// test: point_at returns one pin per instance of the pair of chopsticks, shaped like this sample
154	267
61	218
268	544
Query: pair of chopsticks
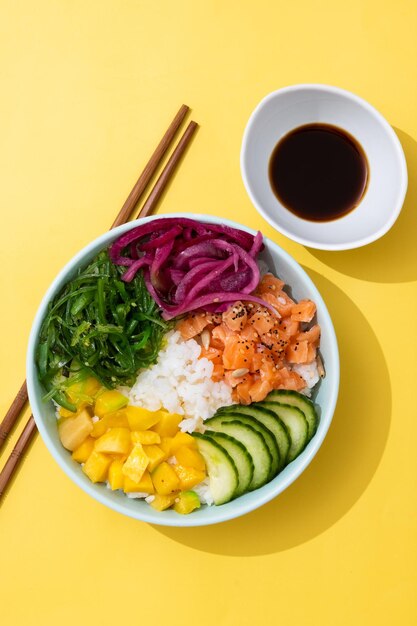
123	216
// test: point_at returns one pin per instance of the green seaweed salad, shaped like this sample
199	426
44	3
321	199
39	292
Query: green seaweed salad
101	326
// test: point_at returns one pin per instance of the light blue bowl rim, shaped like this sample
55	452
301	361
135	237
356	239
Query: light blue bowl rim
237	507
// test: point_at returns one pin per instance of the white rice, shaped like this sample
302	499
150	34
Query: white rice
181	383
203	492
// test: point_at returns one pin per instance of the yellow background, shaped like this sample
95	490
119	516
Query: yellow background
86	91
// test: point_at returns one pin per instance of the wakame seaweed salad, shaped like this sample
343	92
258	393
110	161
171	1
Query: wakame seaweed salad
101	326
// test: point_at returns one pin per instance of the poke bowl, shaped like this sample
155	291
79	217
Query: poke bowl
208	410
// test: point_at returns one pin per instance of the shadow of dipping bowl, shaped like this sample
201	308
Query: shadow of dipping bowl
292	107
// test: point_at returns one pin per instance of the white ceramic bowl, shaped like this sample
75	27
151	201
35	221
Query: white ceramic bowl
288	108
302	287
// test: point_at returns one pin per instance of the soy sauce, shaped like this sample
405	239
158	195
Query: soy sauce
319	172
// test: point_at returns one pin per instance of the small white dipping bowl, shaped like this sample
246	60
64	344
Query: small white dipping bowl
44	412
291	107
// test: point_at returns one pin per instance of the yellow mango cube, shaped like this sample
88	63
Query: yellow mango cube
100	427
167	426
109	401
74	430
188	476
136	463
117	419
114	441
140	418
144	485
84	450
96	467
83	390
182	439
165	445
165	480
160	503
145	437
155	455
116	477
190	458
187	502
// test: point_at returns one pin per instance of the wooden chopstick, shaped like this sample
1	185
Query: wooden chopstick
16	454
13	413
150	169
122	217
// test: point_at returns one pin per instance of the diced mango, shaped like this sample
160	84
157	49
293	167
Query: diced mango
155	455
144	485
165	480
100	427
115	441
136	463
188	476
167	426
140	418
74	430
83	390
118	419
160	503
116	477
109	401
186	502
96	467
84	450
182	439
190	458
166	445
145	437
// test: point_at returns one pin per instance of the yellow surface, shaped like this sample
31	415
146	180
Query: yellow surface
87	88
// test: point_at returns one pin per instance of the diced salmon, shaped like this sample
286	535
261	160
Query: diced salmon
261	320
269	282
219	335
312	335
235	317
297	352
218	372
290	380
284	304
260	390
288	327
241	392
304	311
212	354
250	333
312	353
251	338
233	381
256	363
192	325
237	353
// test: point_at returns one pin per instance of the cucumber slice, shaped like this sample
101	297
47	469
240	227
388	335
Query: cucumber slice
303	403
254	444
264	431
221	469
240	456
270	420
296	424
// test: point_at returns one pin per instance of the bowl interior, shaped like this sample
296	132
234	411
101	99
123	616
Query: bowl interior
302	287
289	108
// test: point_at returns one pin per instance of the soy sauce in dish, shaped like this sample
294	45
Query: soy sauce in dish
319	172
